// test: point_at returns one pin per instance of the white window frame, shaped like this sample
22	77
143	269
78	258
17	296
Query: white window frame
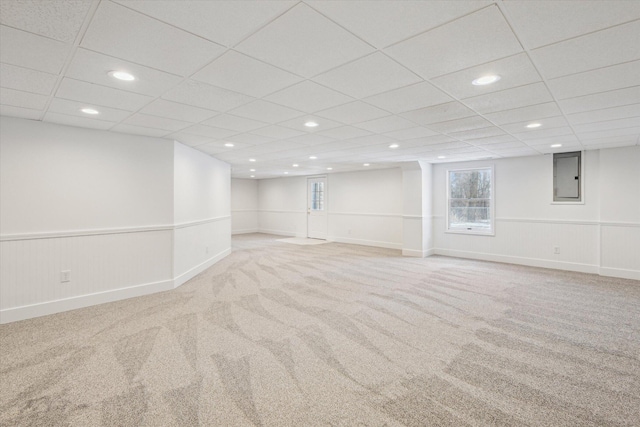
492	209
553	183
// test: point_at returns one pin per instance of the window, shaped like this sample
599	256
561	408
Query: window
567	177
470	201
317	196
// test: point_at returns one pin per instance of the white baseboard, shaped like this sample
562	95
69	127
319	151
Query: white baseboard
620	272
532	262
278	232
9	315
245	231
194	271
417	253
363	242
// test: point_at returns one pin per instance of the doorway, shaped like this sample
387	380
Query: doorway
317	208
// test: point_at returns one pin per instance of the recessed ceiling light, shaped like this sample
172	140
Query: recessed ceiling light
329	169
366	164
253	176
286	173
295	165
90	111
122	75
252	160
312	157
556	145
394	146
534	125
252	170
228	144
442	157
311	124
485	80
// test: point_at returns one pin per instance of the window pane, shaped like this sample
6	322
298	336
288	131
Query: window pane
470	200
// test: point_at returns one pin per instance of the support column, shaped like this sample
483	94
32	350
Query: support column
417	238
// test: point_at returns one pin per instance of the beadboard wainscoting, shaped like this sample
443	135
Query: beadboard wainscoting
620	250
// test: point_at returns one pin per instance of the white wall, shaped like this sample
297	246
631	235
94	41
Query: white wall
98	204
282	206
244	206
529	226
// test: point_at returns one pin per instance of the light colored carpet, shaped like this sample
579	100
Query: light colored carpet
341	335
302	241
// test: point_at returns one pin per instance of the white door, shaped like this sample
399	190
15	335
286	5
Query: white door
317	208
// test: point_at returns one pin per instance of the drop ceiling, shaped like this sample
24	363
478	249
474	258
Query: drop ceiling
371	73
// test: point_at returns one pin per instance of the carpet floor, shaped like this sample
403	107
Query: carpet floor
336	335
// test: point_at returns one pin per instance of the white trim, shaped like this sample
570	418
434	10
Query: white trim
384	215
245	231
417	253
363	242
620	272
244	210
194	271
106	231
492	207
280	233
277	211
561	221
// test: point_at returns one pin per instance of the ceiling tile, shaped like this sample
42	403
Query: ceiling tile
240	73
266	111
613	113
460	125
533	112
427	141
544	133
491	140
344	132
610	133
439	113
569	139
410	133
370	19
367	76
310	139
277	132
309	97
408	98
156	122
94	68
190	138
299	124
474	134
304	42
18	98
240	124
353	112
209	131
72	108
594	81
206	96
514	71
139	130
600	101
509	99
544	22
174	110
608	124
601	49
120	32
610	142
224	22
27	80
31	51
249	138
547	123
23	113
480	37
386	124
93	94
83	122
60	20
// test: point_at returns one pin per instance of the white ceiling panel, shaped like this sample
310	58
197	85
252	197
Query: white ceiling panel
94	94
344	132
353	112
610	133
608	124
120	32
386	124
600	101
533	112
546	123
60	20
409	98
299	124
491	140
568	139
240	73
544	133
460	125
249	138
613	113
309	97
370	19
27	80
541	23
177	111
209	131
311	139
367	76
266	111
156	122
595	81
31	51
22	113
516	70
510	99
206	96
616	141
72	108
190	138
410	133
18	98
224	22
83	122
240	124
439	113
304	42
94	68
277	132
600	49
472	134
474	39
139	130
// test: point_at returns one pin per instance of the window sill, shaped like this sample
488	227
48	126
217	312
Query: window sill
472	232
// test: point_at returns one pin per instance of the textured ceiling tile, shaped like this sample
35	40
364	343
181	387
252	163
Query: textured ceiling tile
386	124
206	96
83	122
139	130
22	113
24	79
177	111
509	99
77	90
533	112
31	51
309	97
353	112
410	133
608	125
18	98
72	108
612	113
595	81
156	122
460	125
209	131
409	98
277	132
439	113
344	132
600	101
266	111
240	124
